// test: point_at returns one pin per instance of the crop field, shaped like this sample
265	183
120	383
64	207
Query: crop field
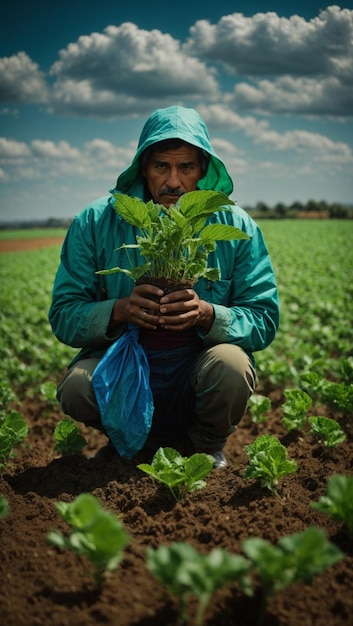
311	356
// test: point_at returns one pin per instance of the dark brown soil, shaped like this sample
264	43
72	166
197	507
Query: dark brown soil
42	585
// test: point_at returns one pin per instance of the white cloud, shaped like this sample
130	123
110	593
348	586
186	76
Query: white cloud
11	149
266	44
51	150
99	159
21	80
320	147
295	95
126	70
307	67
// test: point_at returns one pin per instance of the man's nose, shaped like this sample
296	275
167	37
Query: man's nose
173	178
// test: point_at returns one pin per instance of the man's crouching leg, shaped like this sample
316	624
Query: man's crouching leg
76	395
224	379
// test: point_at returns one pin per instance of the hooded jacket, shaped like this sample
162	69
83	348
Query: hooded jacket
245	298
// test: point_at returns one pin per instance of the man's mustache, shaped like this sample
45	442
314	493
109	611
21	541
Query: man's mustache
169	191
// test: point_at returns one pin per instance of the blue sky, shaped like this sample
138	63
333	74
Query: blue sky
273	81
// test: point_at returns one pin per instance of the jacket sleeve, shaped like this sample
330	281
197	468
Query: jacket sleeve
78	315
246	302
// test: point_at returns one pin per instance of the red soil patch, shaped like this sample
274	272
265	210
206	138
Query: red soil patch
17	245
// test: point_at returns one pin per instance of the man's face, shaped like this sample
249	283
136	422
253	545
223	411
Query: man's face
171	173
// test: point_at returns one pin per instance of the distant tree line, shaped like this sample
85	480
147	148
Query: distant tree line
51	222
312	209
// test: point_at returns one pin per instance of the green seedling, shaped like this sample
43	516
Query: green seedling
48	392
295	409
175	242
4	507
297	557
339	396
68	438
182	475
185	572
327	430
96	534
13	430
259	406
268	462
338	501
313	383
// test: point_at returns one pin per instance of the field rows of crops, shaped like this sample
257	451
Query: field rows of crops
313	261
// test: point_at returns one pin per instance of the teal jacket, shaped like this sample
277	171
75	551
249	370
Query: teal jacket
245	299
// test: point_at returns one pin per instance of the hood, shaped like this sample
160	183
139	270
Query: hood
175	123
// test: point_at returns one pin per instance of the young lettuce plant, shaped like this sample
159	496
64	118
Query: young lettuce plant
297	557
96	534
338	501
68	437
13	430
339	396
268	462
184	572
259	406
295	409
326	430
175	242
182	475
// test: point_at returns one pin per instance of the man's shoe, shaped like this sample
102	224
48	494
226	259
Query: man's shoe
220	460
105	453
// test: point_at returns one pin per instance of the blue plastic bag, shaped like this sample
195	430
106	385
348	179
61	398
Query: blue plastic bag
121	384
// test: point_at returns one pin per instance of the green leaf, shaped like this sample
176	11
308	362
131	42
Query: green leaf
310	553
327	430
268	461
68	437
133	211
221	232
338	501
180	474
175	242
96	534
184	571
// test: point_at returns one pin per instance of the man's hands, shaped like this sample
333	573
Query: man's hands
180	310
177	311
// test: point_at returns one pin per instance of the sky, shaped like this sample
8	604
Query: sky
272	80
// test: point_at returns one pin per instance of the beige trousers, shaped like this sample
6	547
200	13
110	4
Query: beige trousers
199	397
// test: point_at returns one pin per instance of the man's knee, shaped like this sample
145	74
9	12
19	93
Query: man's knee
226	367
75	392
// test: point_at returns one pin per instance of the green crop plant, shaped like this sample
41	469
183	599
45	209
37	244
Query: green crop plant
326	430
297	557
186	572
95	533
295	409
180	474
338	501
259	407
268	462
175	242
68	437
13	430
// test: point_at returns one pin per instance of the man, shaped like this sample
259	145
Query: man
202	371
